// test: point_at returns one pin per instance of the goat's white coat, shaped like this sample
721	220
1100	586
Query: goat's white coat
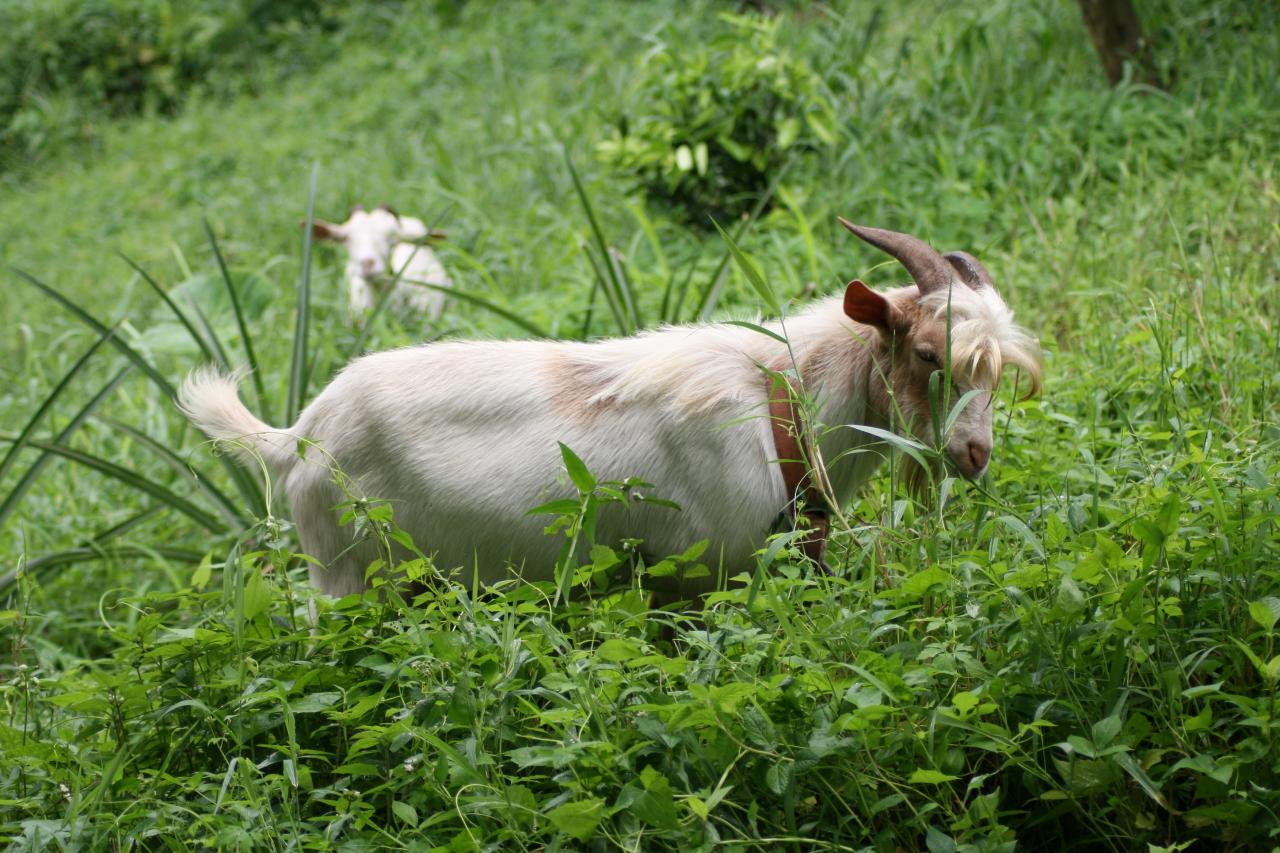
462	438
381	244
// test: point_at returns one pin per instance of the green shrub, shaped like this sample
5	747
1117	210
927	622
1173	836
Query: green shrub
67	64
711	124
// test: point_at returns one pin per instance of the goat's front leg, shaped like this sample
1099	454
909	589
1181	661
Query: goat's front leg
360	296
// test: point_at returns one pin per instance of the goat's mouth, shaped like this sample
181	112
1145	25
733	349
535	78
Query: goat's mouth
966	468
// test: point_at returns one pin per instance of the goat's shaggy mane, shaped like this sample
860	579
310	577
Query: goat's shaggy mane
984	338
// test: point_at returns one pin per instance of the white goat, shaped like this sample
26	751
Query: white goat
462	436
381	244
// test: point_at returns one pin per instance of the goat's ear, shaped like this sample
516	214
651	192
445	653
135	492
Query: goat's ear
411	229
864	305
321	230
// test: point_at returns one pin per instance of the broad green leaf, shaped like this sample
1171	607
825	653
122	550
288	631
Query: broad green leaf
1265	611
315	702
1019	527
257	596
1168	516
1202	690
921	582
928	776
578	473
578	819
406	813
654	804
204	571
759	729
1080	745
1105	730
780	775
617	650
563	506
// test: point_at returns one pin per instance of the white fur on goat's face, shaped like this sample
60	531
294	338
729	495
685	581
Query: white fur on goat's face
382	245
369	236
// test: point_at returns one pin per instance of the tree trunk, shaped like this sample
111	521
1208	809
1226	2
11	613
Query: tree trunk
1117	36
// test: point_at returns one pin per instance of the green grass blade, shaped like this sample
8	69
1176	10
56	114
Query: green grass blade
751	270
651	236
618	268
220	354
246	340
244	483
45	406
667	292
610	296
591	309
125	526
94	544
628	322
40	565
505	313
710	293
357	346
673	315
173	307
756	327
28	478
229	510
135	481
297	390
93	323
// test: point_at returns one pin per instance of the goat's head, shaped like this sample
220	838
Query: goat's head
370	235
955	303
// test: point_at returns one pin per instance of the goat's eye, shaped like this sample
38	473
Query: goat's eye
928	356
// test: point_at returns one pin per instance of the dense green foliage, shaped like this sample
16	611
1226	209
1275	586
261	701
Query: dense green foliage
1080	651
709	125
65	65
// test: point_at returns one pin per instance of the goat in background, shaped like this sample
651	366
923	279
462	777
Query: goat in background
381	246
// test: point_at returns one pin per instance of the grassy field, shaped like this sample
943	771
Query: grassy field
1082	651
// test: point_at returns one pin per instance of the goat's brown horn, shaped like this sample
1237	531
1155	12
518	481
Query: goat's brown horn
970	269
929	269
389	209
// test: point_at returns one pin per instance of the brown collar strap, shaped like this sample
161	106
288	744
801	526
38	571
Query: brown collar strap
788	443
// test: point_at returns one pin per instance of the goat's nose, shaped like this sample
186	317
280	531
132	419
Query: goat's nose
368	266
979	455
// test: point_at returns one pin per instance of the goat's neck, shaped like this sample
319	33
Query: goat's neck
840	368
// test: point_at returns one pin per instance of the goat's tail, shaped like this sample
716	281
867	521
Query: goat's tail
210	399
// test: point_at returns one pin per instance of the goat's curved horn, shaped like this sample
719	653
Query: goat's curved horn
971	270
389	209
929	269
